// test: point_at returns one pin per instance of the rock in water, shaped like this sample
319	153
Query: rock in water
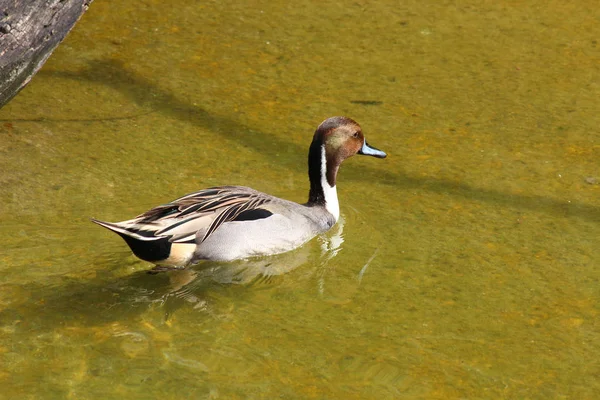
30	30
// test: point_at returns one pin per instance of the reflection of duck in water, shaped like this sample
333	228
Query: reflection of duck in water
255	270
187	286
235	222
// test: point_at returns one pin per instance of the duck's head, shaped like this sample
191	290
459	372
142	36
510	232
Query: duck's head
342	137
336	139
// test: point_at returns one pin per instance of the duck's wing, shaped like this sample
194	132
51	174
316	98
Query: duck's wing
194	217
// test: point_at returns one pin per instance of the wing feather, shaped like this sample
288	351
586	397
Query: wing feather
197	215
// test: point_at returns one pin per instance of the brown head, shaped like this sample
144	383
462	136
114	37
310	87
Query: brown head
336	139
342	138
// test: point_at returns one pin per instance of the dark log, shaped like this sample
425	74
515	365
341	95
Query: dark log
30	30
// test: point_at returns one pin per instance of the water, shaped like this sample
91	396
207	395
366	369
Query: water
466	265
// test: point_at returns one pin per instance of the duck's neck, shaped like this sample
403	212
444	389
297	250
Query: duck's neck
322	175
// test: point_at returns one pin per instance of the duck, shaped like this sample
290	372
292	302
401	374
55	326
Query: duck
228	223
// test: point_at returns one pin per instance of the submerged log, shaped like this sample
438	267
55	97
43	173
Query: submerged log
30	30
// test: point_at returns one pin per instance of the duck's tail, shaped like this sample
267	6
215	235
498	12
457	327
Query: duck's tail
144	244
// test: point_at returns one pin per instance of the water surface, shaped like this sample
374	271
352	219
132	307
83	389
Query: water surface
466	264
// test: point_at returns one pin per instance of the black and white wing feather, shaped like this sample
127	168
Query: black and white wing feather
194	217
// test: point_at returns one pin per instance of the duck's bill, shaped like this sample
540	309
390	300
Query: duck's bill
371	151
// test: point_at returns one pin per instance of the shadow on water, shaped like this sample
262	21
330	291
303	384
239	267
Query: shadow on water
106	299
87	302
101	301
147	94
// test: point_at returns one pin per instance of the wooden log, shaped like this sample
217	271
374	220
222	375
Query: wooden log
30	30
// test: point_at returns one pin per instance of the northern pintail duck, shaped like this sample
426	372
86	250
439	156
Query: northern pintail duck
234	222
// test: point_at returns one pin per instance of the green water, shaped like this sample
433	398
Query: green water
467	264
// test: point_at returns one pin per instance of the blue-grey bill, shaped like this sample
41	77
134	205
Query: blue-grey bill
371	151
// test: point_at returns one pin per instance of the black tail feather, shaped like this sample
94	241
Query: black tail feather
149	250
154	250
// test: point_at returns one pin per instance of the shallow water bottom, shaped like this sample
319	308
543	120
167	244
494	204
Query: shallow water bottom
466	264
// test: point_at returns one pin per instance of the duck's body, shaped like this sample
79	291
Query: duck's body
221	224
233	222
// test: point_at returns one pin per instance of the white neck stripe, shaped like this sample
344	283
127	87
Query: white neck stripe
329	192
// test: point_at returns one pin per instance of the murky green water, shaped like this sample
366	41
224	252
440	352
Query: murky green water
467	264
